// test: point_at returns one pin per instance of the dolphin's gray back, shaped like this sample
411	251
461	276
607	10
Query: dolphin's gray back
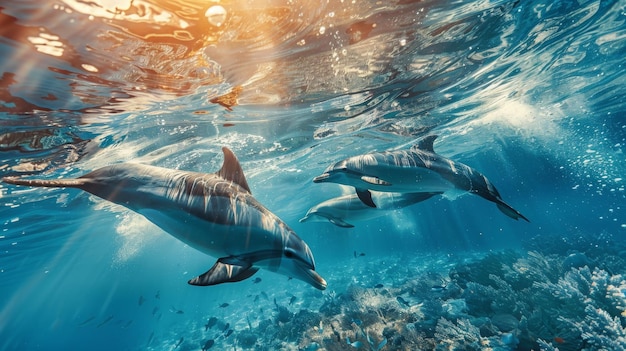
139	187
205	195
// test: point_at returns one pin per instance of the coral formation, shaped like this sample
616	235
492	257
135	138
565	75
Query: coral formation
509	300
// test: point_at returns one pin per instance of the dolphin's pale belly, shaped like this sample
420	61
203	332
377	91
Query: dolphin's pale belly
214	239
348	208
407	179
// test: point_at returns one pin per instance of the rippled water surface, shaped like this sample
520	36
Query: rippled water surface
531	93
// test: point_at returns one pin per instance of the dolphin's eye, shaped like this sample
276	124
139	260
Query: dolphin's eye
288	254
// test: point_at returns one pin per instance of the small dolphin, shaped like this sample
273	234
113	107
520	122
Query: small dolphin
213	213
417	170
342	211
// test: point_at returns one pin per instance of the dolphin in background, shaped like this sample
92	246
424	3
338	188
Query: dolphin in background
417	170
343	210
213	213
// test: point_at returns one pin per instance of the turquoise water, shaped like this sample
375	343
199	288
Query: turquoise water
529	93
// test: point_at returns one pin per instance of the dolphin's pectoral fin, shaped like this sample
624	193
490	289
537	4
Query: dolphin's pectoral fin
223	272
365	196
510	211
375	181
340	223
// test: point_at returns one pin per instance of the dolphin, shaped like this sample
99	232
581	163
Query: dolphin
416	170
342	210
213	213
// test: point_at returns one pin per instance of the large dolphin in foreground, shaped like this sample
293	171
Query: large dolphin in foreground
213	213
417	170
342	211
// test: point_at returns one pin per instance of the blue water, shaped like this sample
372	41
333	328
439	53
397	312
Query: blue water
530	93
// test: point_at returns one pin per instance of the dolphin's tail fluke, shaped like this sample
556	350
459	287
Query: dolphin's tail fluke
510	211
53	183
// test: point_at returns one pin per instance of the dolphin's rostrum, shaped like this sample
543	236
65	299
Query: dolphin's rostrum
213	213
417	170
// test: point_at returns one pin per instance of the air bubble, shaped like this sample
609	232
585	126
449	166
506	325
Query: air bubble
216	15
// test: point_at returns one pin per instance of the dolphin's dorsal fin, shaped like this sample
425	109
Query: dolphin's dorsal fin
231	169
426	143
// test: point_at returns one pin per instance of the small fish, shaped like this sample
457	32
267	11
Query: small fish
438	288
176	310
378	286
83	323
226	327
155	310
228	333
359	255
264	295
210	323
158	295
150	339
208	344
107	320
559	340
256	280
179	342
256	298
127	324
402	301
224	305
141	300
292	300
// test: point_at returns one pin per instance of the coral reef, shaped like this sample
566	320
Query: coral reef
509	300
